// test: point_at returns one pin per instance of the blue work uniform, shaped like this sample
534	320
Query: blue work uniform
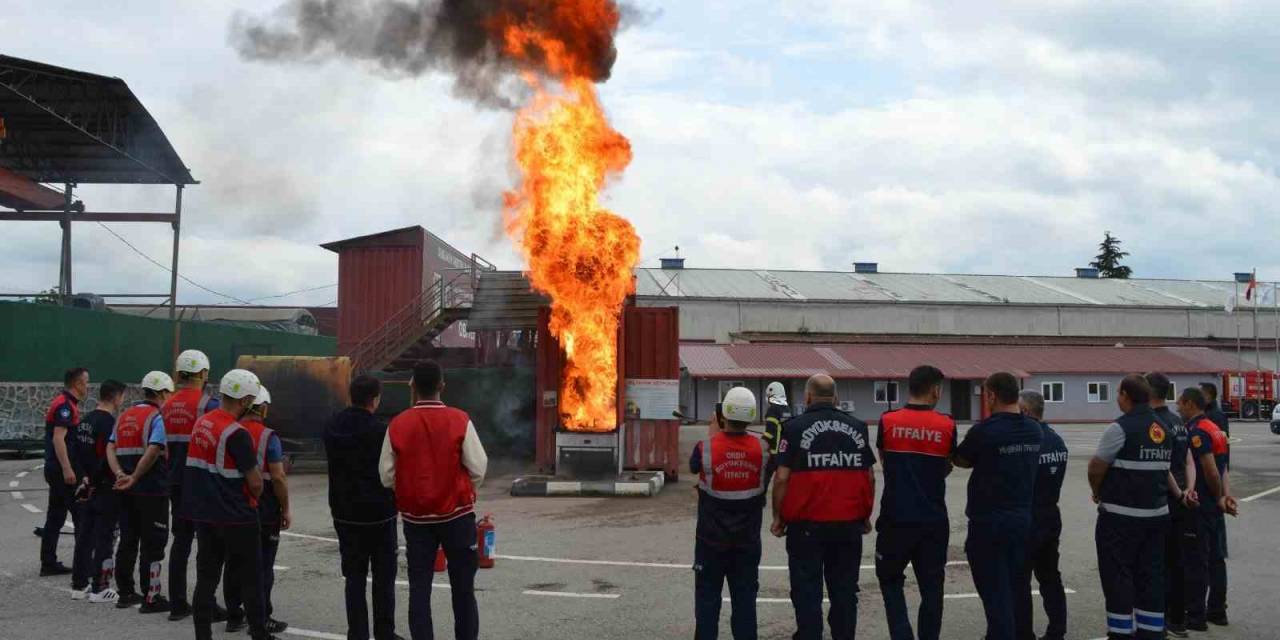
1133	520
1043	544
1204	565
1004	451
99	514
1180	522
144	530
63	412
916	444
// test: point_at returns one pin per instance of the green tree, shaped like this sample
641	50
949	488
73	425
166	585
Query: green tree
48	296
1109	256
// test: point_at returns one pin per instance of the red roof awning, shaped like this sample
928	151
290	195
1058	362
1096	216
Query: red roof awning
888	361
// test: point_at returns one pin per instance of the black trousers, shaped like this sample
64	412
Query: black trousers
184	534
1042	561
61	500
458	537
1205	565
365	549
713	566
1177	557
1131	565
95	538
832	555
240	548
144	523
270	541
925	548
997	552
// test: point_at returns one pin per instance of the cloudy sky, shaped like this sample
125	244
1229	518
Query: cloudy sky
789	134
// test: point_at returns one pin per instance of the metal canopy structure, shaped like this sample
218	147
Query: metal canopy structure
67	128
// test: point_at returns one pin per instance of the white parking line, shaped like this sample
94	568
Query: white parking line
435	585
949	596
1261	495
279	568
307	633
18	495
565	594
31	507
13	483
21	474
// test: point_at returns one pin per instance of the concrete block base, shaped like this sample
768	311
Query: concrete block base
640	484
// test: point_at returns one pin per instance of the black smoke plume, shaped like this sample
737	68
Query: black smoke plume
462	38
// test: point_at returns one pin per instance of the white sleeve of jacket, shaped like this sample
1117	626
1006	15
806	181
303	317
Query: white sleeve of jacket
387	463
473	455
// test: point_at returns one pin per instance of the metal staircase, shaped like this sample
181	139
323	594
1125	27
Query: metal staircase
408	334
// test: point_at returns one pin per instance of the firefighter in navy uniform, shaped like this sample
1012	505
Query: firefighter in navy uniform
273	513
221	485
1217	546
136	455
98	503
180	415
1004	453
916	444
1184	474
1129	475
1209	500
731	469
1046	531
775	413
62	417
823	494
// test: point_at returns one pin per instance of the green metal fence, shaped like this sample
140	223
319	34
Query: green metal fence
38	342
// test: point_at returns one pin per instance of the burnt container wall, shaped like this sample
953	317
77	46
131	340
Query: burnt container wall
373	284
651	350
546	393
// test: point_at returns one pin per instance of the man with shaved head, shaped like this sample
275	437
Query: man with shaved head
823	493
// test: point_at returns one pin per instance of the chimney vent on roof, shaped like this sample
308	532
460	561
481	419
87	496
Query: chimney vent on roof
672	263
1088	273
866	267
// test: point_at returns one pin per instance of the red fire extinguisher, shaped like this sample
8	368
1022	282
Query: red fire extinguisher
440	562
486	541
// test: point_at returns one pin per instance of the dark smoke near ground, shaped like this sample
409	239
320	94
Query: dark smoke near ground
462	38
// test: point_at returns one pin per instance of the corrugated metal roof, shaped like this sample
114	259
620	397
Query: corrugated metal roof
799	286
887	361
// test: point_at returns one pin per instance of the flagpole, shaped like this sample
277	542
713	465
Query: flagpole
1257	339
1275	304
1236	301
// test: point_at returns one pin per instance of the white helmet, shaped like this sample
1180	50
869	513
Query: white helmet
775	393
157	381
263	397
238	383
192	361
739	404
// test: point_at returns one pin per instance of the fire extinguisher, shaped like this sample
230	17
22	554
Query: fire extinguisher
486	541
440	561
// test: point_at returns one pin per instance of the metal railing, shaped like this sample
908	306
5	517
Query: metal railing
455	290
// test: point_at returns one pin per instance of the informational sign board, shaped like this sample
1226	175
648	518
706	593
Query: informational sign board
652	399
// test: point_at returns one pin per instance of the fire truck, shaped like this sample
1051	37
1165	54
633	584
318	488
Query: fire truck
1248	395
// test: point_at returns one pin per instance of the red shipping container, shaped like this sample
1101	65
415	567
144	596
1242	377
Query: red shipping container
650	349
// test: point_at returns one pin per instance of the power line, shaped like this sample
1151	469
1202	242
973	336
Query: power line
290	293
158	264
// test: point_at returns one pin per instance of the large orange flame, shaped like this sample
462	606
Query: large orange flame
579	253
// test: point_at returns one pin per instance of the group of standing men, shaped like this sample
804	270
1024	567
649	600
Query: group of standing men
202	467
1155	569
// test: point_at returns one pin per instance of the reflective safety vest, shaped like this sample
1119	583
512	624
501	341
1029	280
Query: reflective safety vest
213	488
180	415
268	505
733	467
1136	484
133	433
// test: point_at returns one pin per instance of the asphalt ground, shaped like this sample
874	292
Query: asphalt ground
619	568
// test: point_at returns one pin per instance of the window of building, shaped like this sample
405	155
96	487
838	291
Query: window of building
1099	392
1172	395
1052	391
726	385
886	392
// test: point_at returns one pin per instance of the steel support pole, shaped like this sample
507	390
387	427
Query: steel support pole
173	272
64	269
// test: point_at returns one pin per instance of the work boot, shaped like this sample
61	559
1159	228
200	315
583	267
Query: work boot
127	600
276	626
236	624
157	604
1175	630
219	613
1197	625
179	610
1219	619
55	569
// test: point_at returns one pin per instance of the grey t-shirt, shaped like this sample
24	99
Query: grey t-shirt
1111	444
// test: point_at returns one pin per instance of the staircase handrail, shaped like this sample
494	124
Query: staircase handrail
417	313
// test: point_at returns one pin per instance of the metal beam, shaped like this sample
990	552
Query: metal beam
89	216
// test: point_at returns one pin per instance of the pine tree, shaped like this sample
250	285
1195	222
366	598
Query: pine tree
1109	256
